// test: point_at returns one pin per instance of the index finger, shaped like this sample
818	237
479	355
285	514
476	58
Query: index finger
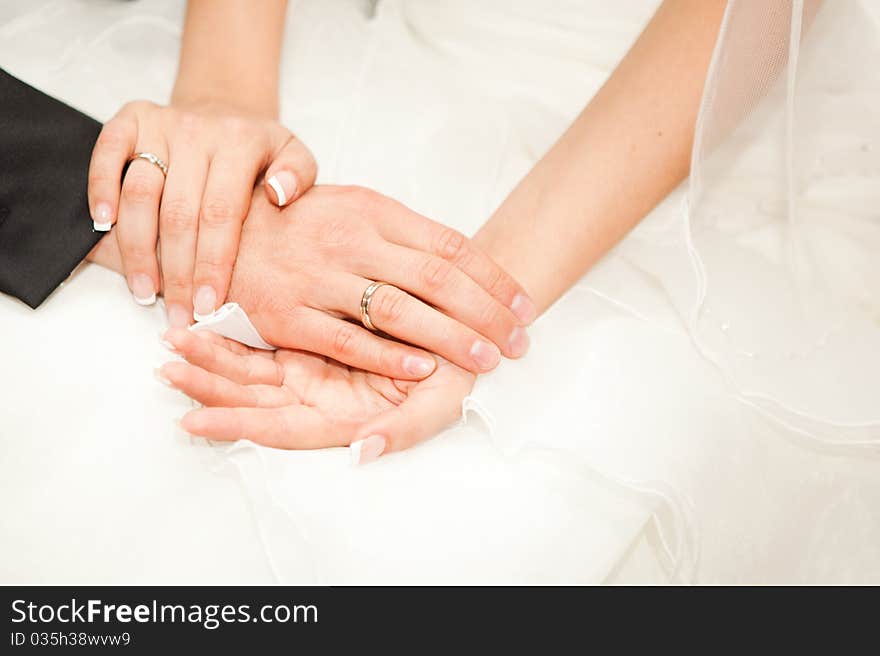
114	146
431	406
224	205
290	427
178	229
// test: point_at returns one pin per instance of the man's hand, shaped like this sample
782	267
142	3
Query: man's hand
302	271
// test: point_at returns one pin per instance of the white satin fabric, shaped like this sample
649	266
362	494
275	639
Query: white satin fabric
617	450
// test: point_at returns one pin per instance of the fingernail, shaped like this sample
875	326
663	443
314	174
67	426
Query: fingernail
283	184
487	356
518	342
158	374
178	317
101	218
523	308
418	367
142	289
167	344
366	450
204	302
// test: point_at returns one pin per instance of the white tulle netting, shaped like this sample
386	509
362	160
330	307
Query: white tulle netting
769	255
785	217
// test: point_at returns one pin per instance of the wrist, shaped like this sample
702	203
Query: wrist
531	229
241	97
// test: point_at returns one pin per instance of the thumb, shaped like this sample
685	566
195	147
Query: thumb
291	173
425	412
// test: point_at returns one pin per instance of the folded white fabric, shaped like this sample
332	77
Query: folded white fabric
230	320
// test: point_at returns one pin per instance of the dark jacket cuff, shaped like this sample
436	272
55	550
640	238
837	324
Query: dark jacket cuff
45	229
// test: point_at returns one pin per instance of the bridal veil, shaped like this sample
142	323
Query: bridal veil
769	256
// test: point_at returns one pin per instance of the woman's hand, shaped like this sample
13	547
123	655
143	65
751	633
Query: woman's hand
214	154
296	400
304	270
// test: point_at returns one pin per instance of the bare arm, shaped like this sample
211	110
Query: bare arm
622	155
625	152
230	54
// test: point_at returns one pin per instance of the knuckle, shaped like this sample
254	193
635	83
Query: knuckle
211	265
435	273
491	316
176	286
217	212
360	197
137	252
129	111
450	244
310	164
178	216
187	123
275	306
114	134
388	358
363	195
101	179
343	338
237	128
138	105
388	305
498	284
334	233
296	313
138	189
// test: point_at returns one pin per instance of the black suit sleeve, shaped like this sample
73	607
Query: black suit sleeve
45	229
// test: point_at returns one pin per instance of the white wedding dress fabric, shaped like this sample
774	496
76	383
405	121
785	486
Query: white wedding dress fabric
704	405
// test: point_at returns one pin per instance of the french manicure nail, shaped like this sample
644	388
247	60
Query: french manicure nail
204	302
366	450
101	219
178	317
158	374
283	184
487	356
418	367
523	308
142	289
518	342
164	342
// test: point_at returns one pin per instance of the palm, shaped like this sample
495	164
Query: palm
295	399
335	393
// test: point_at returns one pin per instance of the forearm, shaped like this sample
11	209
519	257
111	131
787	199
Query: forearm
230	54
624	153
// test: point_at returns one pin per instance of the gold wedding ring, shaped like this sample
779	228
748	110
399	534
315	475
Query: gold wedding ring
152	159
365	304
